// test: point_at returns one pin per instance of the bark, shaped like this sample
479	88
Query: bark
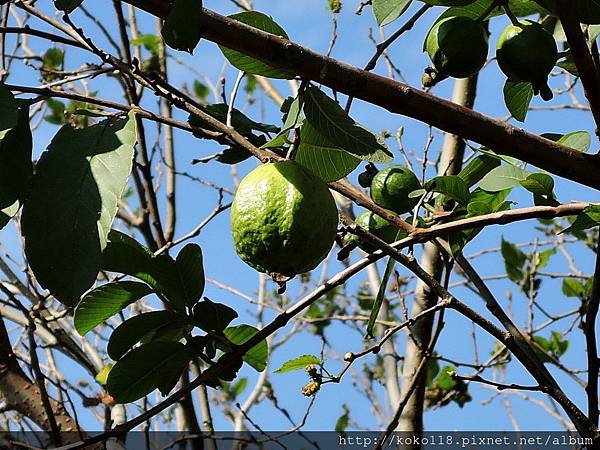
450	164
21	394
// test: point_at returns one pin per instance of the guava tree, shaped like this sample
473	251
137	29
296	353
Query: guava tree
146	175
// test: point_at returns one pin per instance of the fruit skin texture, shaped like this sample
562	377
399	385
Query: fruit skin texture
457	46
377	225
283	219
391	186
527	53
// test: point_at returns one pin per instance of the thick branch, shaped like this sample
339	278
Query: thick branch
592	346
394	96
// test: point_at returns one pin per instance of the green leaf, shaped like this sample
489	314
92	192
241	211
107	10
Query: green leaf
588	218
559	344
9	112
149	41
517	97
54	58
135	328
181	281
477	169
125	255
386	11
57	112
593	32
326	160
342	423
514	259
503	177
247	63
543	258
476	9
191	273
257	356
483	202
389	269
16	168
201	90
105	301
572	288
210	316
67	6
330	120
146	368
539	183
102	376
8	213
579	140
299	363
444	379
73	202
182	30
451	186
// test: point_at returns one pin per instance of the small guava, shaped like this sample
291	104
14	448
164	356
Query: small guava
457	46
527	52
391	187
283	219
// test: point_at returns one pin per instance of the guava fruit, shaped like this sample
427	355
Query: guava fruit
457	46
283	219
391	186
527	52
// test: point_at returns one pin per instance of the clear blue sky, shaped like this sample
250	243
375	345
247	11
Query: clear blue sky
308	22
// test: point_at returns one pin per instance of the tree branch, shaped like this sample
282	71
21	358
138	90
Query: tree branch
394	96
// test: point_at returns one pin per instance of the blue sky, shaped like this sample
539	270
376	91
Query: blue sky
308	22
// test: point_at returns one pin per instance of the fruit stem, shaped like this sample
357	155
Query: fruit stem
511	16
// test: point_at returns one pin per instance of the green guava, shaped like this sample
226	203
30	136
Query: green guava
527	52
457	46
391	186
283	219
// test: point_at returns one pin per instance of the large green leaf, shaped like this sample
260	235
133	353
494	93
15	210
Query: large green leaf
579	140
477	168
386	11
181	281
517	97
191	273
299	363
539	183
257	356
135	328
181	29
16	168
503	177
247	63
588	11
316	153
451	186
328	118
145	368
105	301
73	202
